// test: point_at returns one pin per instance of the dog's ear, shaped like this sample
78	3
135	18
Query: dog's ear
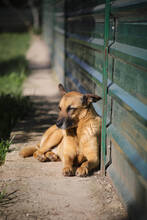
61	89
89	98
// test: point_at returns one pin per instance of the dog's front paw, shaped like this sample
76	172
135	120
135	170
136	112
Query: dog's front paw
68	171
40	156
52	156
82	171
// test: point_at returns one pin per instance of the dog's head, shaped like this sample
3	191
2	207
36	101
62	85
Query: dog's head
71	106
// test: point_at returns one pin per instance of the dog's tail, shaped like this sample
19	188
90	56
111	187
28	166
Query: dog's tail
28	151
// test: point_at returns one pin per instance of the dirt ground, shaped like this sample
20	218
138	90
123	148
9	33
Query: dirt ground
38	190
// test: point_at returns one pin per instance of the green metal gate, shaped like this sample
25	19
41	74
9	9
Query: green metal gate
101	47
127	133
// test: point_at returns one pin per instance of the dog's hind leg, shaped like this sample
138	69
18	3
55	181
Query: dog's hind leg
27	151
47	134
51	141
30	150
52	137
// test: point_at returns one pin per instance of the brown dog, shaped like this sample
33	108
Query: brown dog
75	137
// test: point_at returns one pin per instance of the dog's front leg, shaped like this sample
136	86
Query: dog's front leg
86	167
69	154
91	153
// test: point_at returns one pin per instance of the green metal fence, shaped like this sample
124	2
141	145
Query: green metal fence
128	133
100	47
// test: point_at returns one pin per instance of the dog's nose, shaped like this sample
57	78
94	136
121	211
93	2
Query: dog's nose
60	122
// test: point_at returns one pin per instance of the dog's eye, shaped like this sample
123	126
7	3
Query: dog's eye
70	108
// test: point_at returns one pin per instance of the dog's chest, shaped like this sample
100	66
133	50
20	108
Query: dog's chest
82	133
88	128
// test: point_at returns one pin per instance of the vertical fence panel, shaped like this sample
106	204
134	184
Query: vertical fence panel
84	51
128	91
59	39
47	24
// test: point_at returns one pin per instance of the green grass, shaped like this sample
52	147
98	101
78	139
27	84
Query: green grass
13	45
4	147
13	72
13	64
11	83
2	195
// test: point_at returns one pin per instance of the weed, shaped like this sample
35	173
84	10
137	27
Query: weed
2	195
7	198
4	147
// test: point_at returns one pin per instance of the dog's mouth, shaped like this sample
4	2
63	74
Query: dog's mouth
65	123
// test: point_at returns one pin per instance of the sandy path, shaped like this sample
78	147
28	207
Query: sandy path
38	190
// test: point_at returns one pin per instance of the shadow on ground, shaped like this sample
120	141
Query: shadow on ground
41	118
14	65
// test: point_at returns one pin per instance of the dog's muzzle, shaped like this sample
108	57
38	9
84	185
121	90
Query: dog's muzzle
60	122
64	123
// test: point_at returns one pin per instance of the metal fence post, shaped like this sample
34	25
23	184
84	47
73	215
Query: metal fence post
104	86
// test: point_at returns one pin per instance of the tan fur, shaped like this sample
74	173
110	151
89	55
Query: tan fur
78	135
28	151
